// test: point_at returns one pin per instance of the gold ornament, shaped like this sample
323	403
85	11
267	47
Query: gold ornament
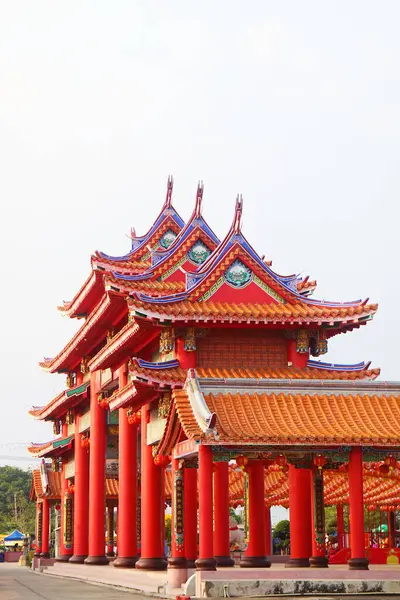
302	341
164	405
167	340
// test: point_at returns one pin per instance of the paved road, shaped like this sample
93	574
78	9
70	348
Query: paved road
19	583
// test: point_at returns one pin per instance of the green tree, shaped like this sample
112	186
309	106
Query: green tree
16	511
234	514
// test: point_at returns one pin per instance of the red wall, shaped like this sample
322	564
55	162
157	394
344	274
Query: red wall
242	348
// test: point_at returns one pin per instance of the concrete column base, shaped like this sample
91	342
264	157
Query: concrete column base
96	560
151	564
296	563
206	564
358	564
125	562
78	558
318	562
176	577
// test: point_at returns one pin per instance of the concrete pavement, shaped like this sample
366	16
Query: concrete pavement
19	583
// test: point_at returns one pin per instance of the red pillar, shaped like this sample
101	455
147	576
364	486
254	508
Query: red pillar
298	360
110	529
66	551
206	560
152	544
39	515
177	564
340	526
97	499
300	517
358	559
190	509
318	558
45	528
255	555
81	498
186	358
268	539
222	551
127	464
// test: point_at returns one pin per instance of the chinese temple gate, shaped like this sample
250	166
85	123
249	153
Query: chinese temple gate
196	378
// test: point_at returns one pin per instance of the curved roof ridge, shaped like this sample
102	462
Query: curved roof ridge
319	364
140	241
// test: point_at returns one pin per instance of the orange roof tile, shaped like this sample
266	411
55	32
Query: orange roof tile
154	288
112	487
177	376
278	313
327	419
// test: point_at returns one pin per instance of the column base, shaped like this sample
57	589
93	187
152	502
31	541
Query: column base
110	554
125	562
151	564
78	558
177	562
224	561
96	560
44	555
254	562
319	562
295	563
191	563
206	564
63	558
36	555
358	564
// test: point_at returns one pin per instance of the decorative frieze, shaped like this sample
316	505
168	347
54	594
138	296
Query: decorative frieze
167	340
164	405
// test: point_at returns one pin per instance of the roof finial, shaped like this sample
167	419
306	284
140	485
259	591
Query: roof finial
199	198
237	221
170	185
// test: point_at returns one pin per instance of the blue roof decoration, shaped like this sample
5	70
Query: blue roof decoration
138	242
316	364
156	366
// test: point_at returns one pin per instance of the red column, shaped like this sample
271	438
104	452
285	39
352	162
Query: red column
65	551
97	499
358	559
268	539
206	560
255	555
190	509
127	532
297	359
300	517
39	515
186	358
177	564
81	498
318	558
45	528
152	544
110	529
340	526
222	551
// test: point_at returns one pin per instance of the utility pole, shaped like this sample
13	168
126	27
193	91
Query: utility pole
15	507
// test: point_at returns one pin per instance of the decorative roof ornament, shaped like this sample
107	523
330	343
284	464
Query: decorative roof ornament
167	239
237	221
238	274
198	253
199	199
170	187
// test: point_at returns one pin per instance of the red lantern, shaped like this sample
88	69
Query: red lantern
241	461
138	417
161	460
57	507
71	488
320	461
281	461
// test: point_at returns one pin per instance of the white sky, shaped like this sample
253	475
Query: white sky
294	104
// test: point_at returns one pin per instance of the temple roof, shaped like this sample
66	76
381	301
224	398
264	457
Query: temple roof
108	312
53	448
52	481
170	374
295	412
61	403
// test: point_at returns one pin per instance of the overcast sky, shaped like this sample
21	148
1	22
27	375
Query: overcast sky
293	104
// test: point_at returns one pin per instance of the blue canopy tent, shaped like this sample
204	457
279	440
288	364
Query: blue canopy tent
14	537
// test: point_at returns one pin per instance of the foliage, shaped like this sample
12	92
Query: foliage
168	533
282	530
238	518
16	511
